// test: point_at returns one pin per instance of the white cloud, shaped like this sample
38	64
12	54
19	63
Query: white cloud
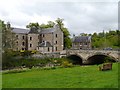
40	19
79	15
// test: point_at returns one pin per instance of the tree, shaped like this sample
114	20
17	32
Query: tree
60	23
30	25
67	40
108	39
8	37
51	23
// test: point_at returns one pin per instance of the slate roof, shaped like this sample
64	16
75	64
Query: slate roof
45	44
33	30
47	30
20	30
82	39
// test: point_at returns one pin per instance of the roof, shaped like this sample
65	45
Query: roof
45	44
20	30
47	30
82	39
33	30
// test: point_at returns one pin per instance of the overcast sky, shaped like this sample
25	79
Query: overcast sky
80	16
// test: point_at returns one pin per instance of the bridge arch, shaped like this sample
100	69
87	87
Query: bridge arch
75	59
99	59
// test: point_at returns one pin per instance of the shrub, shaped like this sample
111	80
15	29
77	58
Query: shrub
66	64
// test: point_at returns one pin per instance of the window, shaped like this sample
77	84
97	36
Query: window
16	48
43	35
56	35
56	48
17	36
86	43
30	38
23	37
23	43
30	45
17	42
56	42
48	49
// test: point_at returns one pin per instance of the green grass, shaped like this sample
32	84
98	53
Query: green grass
0	80
76	77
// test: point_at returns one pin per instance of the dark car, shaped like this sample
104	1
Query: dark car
108	48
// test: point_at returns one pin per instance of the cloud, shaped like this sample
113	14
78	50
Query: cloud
78	16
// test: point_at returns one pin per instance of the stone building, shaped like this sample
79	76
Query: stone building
53	36
21	41
33	39
81	42
45	47
45	40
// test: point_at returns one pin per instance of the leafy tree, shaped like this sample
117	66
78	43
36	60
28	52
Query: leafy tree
108	39
8	37
51	23
30	25
67	40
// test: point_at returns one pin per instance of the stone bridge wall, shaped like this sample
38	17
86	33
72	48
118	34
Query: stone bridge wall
85	54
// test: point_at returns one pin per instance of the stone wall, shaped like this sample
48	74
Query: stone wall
21	42
33	41
58	40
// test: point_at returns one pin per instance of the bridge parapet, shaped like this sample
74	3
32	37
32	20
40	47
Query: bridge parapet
85	54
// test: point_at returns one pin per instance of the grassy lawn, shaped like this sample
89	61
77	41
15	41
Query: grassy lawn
76	77
0	80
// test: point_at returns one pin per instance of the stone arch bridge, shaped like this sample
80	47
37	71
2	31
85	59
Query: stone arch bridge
87	56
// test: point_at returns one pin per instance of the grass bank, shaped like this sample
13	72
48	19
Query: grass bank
75	77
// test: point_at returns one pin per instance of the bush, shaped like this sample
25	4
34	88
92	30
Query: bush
67	64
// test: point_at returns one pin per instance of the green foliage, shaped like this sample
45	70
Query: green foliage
108	39
30	25
26	53
107	60
8	37
67	43
66	64
15	59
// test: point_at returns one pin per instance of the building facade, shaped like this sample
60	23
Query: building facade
21	39
45	41
81	42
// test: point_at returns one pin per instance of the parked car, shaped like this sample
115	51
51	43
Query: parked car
108	48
